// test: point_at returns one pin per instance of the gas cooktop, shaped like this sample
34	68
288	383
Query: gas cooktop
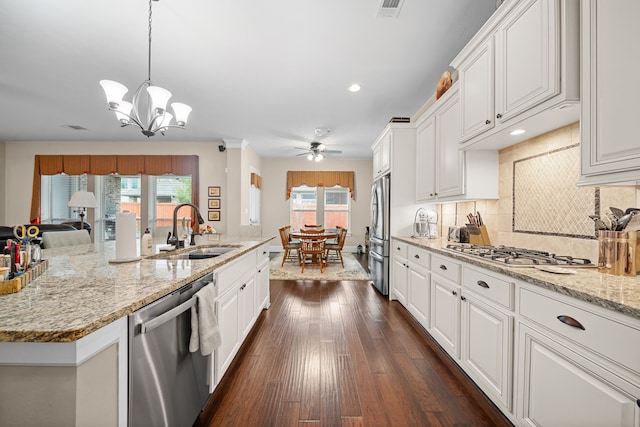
518	257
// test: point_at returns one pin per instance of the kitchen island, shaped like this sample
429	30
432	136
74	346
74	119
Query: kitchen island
548	346
63	338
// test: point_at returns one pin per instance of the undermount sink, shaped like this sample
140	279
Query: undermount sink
200	253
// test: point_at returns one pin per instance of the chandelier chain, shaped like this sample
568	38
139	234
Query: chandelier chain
149	63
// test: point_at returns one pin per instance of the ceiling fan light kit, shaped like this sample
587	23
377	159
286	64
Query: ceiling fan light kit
148	109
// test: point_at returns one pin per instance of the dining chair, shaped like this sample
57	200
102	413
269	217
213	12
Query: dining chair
289	246
337	248
312	226
312	251
312	230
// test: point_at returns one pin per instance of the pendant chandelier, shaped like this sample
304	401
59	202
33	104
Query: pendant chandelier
148	108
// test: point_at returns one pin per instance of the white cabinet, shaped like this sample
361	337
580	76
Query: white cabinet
610	152
487	333
443	171
521	70
445	304
577	365
246	304
227	309
399	286
419	285
382	155
263	299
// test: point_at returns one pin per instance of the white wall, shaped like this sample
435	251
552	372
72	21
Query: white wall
19	160
3	194
275	205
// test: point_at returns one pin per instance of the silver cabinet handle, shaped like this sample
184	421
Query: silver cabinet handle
568	320
483	284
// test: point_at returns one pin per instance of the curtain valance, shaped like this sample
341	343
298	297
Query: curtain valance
111	164
256	180
320	179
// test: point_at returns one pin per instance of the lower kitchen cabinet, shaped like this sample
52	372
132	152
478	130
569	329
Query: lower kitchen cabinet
262	279
246	304
561	387
445	314
419	285
486	348
399	272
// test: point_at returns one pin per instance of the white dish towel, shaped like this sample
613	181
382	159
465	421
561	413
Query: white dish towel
205	333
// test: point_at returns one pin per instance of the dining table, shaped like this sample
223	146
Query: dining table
326	235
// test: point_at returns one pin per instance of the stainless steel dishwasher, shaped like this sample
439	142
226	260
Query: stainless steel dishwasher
167	383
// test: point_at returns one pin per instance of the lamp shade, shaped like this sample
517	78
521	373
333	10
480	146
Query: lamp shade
83	199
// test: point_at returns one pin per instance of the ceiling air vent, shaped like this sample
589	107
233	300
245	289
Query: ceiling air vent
389	8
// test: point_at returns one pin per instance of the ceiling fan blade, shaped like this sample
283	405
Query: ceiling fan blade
332	151
300	148
302	154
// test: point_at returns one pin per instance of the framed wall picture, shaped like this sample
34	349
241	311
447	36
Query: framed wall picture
214	203
214	191
214	215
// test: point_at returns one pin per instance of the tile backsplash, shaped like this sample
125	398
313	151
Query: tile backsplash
539	205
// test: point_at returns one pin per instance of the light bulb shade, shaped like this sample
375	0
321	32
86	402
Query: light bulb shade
114	92
319	157
83	199
182	112
321	147
310	157
166	121
123	111
159	98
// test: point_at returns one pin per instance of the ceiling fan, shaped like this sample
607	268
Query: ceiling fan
317	151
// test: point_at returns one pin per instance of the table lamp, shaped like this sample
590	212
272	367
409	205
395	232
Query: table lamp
84	200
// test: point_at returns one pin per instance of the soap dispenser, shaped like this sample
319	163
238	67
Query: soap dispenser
146	243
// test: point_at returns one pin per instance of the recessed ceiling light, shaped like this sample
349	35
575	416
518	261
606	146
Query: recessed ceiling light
517	132
354	87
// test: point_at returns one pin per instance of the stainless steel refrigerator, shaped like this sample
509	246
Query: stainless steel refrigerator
379	245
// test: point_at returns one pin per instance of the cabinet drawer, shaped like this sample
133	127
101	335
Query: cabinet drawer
228	274
446	268
419	256
262	254
399	249
611	339
493	288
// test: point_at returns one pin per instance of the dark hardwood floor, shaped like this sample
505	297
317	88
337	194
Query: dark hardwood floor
339	354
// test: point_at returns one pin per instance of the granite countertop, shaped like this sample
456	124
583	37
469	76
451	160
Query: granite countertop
81	291
617	293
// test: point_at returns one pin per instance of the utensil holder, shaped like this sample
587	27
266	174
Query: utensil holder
478	235
619	253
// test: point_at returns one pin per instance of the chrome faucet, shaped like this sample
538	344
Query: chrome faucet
173	238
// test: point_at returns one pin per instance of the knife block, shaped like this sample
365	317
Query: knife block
478	235
619	253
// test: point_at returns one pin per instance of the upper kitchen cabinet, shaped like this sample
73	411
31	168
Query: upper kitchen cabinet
520	71
443	171
382	155
608	138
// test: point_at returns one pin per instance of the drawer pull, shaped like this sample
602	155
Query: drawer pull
568	320
454	293
463	298
416	256
483	284
443	267
638	402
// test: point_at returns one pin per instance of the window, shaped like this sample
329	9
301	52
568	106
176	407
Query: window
152	198
337	205
330	207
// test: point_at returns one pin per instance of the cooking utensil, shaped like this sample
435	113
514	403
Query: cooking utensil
618	213
606	220
633	224
622	222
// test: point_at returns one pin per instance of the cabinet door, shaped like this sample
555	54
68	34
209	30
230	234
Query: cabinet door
558	387
486	348
450	159
425	160
382	156
399	283
609	108
246	305
527	47
262	288
227	312
477	92
445	314
419	298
